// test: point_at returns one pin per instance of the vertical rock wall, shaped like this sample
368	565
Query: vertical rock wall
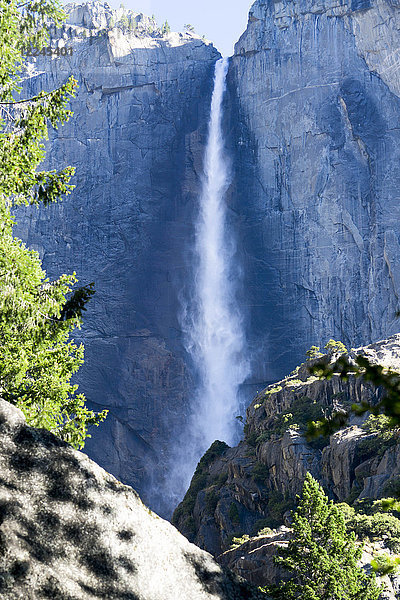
315	122
136	140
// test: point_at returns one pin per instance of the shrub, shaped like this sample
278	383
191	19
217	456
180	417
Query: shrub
313	352
375	527
383	564
260	472
234	513
238	541
211	501
334	347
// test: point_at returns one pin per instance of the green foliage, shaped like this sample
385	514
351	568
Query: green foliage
22	24
294	382
383	564
265	531
238	541
273	390
200	480
300	413
37	357
313	352
165	28
392	487
379	376
375	527
233	513
334	347
322	557
380	425
385	436
277	505
260	472
211	501
188	27
124	21
374	521
262	527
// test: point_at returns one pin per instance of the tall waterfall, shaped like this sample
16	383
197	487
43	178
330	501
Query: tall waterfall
211	320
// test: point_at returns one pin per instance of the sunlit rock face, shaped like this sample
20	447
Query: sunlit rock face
70	530
316	111
136	140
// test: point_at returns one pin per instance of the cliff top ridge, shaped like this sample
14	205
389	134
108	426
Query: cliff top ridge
87	17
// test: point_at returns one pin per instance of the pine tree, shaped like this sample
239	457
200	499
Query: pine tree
37	356
166	29
322	557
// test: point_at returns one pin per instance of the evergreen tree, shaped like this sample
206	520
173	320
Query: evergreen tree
322	557
37	357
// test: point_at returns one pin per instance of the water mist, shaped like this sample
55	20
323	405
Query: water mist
211	318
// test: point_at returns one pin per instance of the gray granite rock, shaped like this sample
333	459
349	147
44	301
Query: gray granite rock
315	114
254	561
136	139
254	484
69	530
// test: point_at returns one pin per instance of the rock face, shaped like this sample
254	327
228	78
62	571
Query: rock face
241	490
254	560
136	140
315	126
71	531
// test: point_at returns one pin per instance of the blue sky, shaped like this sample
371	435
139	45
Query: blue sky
221	21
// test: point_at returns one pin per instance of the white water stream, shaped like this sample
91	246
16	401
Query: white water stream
211	319
215	336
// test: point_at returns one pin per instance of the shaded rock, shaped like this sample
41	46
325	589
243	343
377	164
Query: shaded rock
70	531
255	558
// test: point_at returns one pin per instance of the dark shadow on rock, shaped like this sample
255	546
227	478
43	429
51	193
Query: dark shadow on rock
7	484
109	592
99	561
210	580
127	564
225	585
40	541
19	569
51	590
125	535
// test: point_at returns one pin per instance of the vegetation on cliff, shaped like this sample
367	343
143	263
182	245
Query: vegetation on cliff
321	556
37	356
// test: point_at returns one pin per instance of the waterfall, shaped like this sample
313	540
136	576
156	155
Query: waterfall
216	340
211	317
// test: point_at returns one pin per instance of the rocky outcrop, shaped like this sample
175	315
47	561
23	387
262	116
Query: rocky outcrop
254	485
136	140
69	530
254	561
315	134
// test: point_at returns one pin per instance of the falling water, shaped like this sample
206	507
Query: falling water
212	323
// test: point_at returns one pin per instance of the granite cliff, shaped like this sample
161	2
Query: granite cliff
315	134
312	124
252	486
136	140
